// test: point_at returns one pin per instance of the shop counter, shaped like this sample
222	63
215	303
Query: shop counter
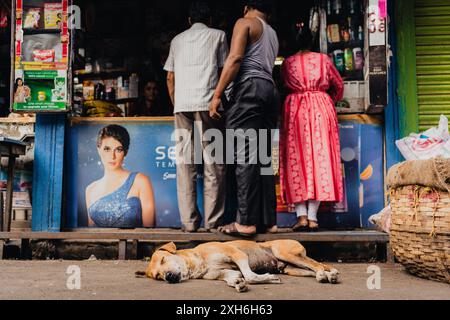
164	235
152	153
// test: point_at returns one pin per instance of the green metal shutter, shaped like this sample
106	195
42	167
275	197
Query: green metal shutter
433	60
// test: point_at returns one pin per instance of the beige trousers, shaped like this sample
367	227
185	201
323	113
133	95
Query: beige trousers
191	126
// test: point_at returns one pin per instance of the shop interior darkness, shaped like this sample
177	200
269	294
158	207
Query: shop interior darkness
134	37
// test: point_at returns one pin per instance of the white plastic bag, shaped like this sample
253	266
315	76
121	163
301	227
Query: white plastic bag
383	219
433	143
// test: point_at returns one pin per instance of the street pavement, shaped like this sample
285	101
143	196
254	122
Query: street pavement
114	280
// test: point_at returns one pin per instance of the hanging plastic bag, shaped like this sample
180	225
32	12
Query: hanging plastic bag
433	143
382	220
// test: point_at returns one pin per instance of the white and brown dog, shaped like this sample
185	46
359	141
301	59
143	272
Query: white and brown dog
238	263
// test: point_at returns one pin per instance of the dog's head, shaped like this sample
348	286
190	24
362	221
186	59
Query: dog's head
167	266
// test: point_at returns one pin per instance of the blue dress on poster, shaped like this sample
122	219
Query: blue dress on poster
117	210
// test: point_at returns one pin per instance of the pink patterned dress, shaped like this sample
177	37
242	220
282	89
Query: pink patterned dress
309	146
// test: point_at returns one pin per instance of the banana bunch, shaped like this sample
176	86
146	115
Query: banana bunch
98	109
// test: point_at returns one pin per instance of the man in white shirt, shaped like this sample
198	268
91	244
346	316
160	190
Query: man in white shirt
195	60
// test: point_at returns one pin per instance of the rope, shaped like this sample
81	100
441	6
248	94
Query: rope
433	233
416	202
419	193
440	167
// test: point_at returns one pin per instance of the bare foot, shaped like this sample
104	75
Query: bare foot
245	229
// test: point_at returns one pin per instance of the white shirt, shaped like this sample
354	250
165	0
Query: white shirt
195	57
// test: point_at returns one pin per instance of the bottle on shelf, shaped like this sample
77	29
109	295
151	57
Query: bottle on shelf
134	86
345	34
352	7
99	92
337	7
339	62
329	12
110	94
348	58
360	33
88	66
351	30
358	58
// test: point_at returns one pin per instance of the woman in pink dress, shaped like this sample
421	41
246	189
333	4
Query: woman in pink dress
311	170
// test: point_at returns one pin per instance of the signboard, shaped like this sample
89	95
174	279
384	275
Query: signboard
41	56
377	66
151	153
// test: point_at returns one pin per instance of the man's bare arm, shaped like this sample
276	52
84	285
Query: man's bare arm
171	86
234	60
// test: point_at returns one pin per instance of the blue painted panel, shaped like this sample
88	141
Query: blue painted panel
372	173
48	173
392	116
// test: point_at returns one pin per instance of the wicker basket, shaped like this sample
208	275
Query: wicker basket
420	231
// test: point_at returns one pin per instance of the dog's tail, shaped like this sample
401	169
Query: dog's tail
141	274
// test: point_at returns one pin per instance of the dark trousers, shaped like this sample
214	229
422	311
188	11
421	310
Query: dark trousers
253	105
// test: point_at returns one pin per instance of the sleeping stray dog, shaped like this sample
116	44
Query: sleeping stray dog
238	263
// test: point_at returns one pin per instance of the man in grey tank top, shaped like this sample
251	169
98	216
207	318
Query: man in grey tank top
251	111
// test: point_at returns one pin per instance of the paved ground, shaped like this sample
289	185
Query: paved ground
112	280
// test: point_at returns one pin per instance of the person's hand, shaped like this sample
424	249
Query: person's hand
213	109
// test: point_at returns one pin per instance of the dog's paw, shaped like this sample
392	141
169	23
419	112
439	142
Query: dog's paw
333	276
322	276
274	279
241	285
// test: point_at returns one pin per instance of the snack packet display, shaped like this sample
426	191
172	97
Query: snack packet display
32	18
53	15
44	55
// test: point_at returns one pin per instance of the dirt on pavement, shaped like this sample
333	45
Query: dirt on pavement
113	280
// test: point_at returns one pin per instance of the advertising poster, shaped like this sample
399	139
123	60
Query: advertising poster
151	154
40	90
41	56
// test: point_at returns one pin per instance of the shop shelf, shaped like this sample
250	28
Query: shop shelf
114	73
343	45
127	100
41	31
121	101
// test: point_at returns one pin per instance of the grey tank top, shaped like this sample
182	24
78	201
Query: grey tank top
259	59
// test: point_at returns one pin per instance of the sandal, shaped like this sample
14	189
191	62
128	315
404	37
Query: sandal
313	226
231	230
302	225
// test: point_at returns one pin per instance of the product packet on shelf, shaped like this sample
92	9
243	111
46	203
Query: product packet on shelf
32	18
44	55
53	15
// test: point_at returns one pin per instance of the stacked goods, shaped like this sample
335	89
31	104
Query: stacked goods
53	15
102	109
420	230
32	18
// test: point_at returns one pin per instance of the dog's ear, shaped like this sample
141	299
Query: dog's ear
170	247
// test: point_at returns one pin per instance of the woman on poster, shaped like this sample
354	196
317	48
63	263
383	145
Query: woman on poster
21	92
121	199
311	170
